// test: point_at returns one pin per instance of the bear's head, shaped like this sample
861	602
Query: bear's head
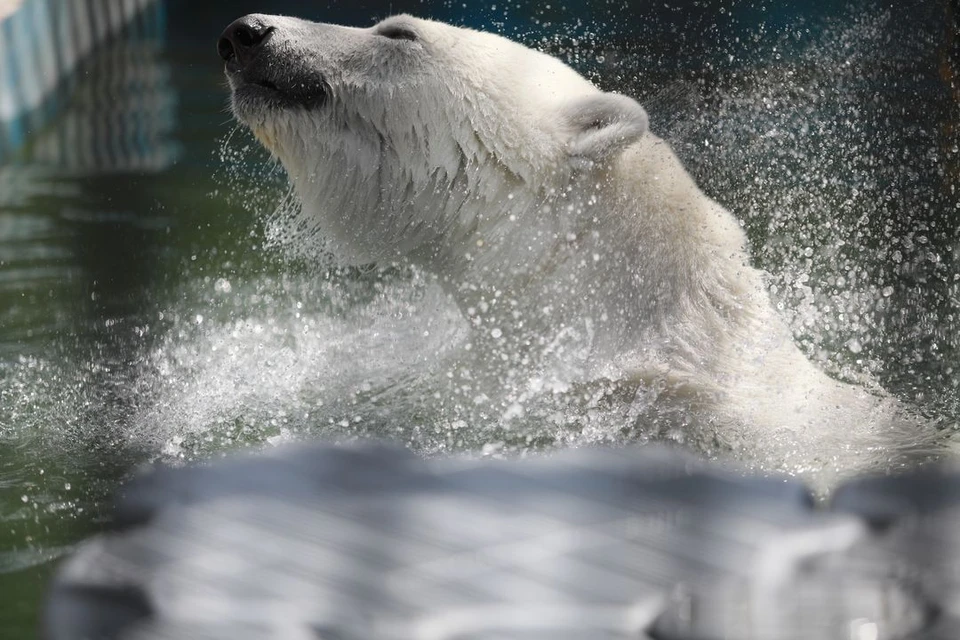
418	139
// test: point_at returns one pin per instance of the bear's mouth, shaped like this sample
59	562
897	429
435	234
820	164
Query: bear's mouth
267	84
253	92
244	82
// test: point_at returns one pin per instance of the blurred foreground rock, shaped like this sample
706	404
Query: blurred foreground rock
373	543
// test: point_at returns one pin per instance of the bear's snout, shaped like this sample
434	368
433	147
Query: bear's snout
240	42
264	76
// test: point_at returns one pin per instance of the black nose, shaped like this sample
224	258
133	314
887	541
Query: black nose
241	41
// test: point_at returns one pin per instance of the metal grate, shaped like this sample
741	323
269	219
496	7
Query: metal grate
322	542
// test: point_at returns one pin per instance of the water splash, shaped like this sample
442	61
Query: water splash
793	146
834	197
833	161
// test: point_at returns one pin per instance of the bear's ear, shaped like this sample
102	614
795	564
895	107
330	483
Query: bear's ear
604	124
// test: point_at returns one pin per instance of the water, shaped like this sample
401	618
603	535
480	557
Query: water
163	312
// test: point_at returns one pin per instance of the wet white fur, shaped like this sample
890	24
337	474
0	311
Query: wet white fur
545	205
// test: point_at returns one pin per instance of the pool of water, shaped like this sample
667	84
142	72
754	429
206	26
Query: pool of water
154	307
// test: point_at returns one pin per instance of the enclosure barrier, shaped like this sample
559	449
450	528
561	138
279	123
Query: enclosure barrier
50	50
362	543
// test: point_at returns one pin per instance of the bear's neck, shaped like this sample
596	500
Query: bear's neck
622	257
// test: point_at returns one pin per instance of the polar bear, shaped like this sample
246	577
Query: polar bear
552	216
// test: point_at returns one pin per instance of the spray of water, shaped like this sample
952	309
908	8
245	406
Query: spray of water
304	349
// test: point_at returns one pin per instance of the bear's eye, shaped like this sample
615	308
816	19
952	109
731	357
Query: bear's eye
396	32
